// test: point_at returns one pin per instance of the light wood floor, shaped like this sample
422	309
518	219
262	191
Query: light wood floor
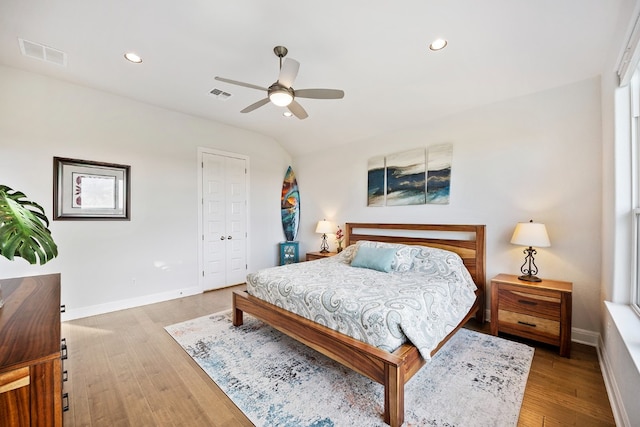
125	370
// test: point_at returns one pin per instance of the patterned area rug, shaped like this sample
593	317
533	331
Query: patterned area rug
474	380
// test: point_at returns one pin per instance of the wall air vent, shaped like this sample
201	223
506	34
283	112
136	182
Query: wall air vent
42	52
220	94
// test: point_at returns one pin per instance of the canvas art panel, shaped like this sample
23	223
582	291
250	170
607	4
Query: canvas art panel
439	158
376	181
406	178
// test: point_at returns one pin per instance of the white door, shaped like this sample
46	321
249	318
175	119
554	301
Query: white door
224	218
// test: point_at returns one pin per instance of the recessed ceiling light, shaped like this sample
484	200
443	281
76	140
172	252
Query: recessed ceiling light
438	44
287	114
133	57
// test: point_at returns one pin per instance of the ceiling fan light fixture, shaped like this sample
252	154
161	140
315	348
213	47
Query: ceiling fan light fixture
281	93
280	97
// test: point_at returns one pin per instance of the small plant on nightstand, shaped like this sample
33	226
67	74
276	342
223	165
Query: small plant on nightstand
339	239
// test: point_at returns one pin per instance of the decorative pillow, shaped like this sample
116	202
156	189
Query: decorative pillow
346	256
403	258
374	258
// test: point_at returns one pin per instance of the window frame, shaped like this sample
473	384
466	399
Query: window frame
634	123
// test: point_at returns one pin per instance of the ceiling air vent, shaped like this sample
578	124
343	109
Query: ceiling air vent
220	94
43	53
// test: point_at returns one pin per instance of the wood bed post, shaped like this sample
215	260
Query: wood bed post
237	317
480	274
393	395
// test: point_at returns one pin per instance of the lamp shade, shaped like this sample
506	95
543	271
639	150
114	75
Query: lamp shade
530	234
324	227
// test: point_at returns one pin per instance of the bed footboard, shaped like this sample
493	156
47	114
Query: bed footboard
392	370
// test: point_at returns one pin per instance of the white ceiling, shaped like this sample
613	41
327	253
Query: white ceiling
374	50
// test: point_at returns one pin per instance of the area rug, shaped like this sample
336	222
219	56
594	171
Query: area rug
474	380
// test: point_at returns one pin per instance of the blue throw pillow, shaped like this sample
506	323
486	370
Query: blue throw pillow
374	258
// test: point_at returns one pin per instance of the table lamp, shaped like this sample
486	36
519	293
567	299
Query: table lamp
323	228
530	234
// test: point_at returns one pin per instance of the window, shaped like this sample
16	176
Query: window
634	110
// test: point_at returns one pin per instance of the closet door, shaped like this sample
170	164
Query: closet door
224	217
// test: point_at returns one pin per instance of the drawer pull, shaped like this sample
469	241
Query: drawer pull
65	402
63	348
527	324
526	302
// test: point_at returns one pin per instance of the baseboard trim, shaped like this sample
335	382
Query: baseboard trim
71	314
615	399
586	337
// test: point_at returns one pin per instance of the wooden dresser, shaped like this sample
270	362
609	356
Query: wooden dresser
539	311
30	352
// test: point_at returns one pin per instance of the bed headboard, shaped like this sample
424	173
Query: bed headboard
468	241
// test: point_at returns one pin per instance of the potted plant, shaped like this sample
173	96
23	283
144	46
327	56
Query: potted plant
24	229
339	238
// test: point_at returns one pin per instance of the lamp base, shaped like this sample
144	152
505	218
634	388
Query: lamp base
530	278
324	247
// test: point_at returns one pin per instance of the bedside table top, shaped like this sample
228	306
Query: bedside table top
322	254
556	285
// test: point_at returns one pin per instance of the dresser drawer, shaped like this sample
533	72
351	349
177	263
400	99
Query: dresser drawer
543	304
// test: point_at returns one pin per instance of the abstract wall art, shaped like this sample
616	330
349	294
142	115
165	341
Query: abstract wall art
413	177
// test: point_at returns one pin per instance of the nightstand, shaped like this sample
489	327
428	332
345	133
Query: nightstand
540	311
319	255
288	253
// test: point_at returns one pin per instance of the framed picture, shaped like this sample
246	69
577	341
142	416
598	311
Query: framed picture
86	190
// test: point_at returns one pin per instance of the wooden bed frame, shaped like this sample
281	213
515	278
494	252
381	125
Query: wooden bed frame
392	370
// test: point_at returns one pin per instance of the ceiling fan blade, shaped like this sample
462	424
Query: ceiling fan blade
255	105
235	82
297	110
288	72
320	93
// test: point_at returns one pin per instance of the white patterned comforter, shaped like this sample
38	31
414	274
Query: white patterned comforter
424	298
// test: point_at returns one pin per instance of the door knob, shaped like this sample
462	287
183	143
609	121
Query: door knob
229	237
221	237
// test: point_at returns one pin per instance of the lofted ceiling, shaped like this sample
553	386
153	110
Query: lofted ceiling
374	50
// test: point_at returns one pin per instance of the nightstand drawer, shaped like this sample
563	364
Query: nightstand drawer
531	325
544	304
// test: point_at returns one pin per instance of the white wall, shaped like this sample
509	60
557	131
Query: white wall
108	265
535	157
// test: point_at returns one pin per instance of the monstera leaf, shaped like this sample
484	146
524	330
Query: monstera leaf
23	229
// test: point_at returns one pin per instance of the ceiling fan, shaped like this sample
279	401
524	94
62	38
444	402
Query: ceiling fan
281	93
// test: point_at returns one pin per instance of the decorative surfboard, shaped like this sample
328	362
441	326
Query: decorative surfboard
290	206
